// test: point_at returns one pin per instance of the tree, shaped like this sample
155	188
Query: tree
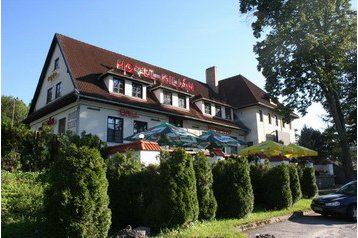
13	110
312	139
308	54
76	201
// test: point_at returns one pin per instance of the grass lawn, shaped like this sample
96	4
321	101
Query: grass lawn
227	227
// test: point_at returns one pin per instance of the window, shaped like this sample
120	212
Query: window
49	95
167	98
139	126
290	125
57	64
181	101
137	90
118	86
218	110
283	124
261	116
176	121
115	129
276	118
62	126
269	118
58	90
207	107
228	113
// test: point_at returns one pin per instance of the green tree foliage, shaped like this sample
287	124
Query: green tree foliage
125	190
22	196
278	192
13	110
308	54
232	188
204	186
308	183
178	202
257	172
76	201
295	185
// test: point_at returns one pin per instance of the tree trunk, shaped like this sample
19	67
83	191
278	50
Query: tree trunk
338	118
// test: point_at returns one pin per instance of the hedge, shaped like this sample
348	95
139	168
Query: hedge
295	185
308	183
204	186
257	172
277	193
76	201
232	188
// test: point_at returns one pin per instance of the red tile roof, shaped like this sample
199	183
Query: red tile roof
139	145
217	152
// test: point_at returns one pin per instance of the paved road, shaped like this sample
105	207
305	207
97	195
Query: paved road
309	226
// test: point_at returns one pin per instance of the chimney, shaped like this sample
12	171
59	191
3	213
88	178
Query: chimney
212	78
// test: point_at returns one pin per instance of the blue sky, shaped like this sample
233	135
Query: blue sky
183	36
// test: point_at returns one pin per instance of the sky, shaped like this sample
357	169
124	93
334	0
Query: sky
179	35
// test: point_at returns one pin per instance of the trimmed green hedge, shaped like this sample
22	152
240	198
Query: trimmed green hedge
257	172
125	190
308	183
295	183
232	188
204	186
277	192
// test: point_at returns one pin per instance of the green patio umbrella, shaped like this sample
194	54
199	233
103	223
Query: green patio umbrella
300	151
167	134
268	148
218	139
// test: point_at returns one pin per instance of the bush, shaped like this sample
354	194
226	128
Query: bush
294	183
125	190
308	183
232	188
76	201
178	201
11	161
257	172
22	203
204	186
277	193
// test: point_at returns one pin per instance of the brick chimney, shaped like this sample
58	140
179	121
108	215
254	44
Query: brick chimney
212	78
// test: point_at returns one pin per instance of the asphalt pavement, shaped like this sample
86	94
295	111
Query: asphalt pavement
309	225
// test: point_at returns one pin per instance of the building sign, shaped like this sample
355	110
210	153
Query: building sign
127	113
223	131
181	84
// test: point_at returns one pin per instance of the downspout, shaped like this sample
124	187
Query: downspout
78	111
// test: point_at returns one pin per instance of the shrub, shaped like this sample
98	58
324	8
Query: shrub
277	193
11	161
204	186
22	203
257	172
125	190
76	201
178	202
232	188
308	183
294	183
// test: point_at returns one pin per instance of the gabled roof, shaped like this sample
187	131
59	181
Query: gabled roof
241	92
87	64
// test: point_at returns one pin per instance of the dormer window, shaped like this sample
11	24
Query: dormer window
118	86
182	101
207	108
167	98
218	110
57	64
137	90
228	113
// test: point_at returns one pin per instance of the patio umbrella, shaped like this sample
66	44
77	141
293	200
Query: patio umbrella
300	151
218	139
268	148
167	134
